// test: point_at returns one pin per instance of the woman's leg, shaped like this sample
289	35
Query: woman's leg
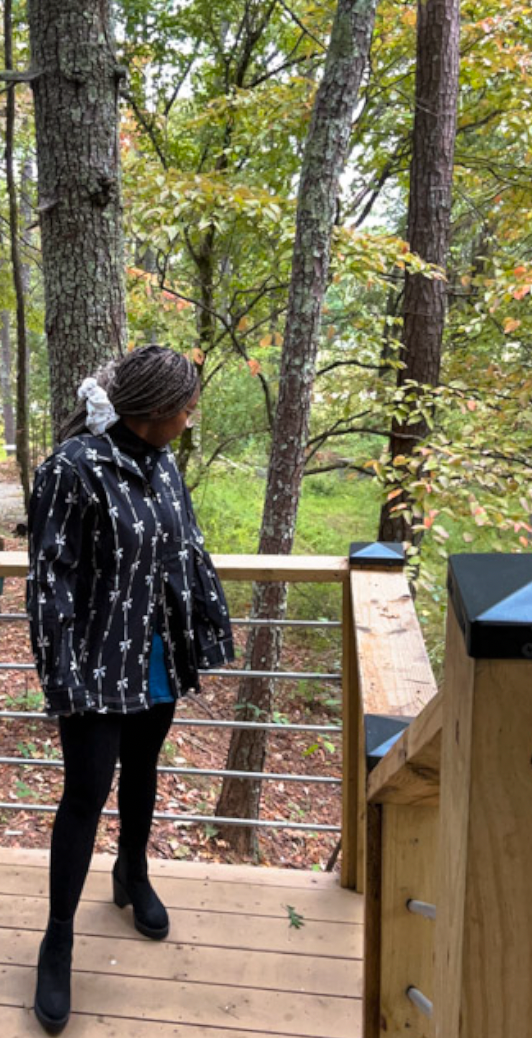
90	747
141	740
90	750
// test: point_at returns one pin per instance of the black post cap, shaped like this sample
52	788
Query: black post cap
376	553
492	598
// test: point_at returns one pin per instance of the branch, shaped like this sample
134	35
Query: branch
12	77
298	22
338	465
148	128
240	349
355	363
180	81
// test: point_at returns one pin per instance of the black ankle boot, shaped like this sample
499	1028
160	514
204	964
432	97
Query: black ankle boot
52	998
131	886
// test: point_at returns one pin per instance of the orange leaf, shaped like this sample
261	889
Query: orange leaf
254	366
510	325
520	293
266	341
472	405
393	493
198	355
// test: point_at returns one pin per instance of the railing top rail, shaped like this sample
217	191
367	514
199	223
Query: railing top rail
329	569
395	675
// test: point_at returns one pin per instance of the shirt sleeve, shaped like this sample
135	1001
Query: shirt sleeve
57	510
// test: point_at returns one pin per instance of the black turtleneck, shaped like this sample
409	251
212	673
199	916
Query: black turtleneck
144	453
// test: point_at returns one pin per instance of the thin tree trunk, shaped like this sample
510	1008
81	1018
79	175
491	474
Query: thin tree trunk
76	117
431	173
5	377
323	162
21	433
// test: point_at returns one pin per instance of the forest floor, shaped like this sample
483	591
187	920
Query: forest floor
300	753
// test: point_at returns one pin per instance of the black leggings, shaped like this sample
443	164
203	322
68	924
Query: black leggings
92	744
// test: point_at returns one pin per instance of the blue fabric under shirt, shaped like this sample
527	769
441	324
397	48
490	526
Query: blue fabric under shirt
159	686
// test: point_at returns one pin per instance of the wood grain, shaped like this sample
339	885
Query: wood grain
410	771
484	930
394	670
409	854
299	568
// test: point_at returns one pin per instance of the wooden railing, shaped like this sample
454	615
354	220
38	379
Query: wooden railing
298	569
449	829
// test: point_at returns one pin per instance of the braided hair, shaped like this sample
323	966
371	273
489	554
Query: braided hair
149	382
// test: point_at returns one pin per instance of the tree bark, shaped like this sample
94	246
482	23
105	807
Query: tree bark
323	162
5	377
21	430
76	117
429	212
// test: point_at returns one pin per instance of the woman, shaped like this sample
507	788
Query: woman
124	607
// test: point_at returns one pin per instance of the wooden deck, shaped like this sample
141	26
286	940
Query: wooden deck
231	967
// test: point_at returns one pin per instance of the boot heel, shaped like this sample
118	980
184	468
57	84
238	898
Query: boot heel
120	896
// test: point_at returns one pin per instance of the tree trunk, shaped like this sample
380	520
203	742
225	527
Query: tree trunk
323	162
21	431
76	117
431	173
5	377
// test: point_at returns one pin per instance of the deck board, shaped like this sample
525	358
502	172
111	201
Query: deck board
232	965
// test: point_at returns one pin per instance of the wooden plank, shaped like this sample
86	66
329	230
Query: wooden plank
298	568
215	929
454	825
353	796
207	1005
484	942
372	927
200	871
13	564
395	674
410	771
22	1023
169	961
409	855
333	904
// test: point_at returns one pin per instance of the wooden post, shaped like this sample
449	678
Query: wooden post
483	971
353	784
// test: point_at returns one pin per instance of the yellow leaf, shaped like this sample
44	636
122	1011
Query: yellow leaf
400	459
242	325
198	355
510	324
266	341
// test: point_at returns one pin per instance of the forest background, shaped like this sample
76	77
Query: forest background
211	152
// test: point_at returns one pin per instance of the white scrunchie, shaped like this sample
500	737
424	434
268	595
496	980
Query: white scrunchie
100	411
